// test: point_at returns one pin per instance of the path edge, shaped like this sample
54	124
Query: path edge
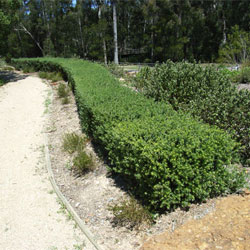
63	199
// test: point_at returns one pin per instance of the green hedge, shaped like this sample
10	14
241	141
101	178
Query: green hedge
169	159
204	92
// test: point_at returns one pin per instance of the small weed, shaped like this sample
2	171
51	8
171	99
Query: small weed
62	91
130	213
63	210
28	70
53	76
65	100
1	82
83	163
73	142
51	191
79	247
8	68
68	165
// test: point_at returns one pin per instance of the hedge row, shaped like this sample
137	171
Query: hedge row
169	159
205	93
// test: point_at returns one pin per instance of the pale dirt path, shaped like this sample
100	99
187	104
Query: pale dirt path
29	217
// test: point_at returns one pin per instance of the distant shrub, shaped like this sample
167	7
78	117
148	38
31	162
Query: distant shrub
53	76
204	92
28	70
115	70
243	76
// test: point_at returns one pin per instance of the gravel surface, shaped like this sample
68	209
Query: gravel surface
30	216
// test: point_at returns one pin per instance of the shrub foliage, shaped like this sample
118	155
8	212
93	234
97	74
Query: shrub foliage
205	93
170	159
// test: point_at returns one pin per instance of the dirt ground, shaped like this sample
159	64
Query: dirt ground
228	227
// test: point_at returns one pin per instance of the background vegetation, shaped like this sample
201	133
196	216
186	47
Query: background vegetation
148	30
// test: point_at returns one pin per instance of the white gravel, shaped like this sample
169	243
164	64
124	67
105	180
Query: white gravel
30	216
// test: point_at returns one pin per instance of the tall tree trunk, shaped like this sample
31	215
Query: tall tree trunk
102	35
116	61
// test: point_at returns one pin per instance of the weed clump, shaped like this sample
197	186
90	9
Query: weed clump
62	91
72	142
83	162
53	76
131	214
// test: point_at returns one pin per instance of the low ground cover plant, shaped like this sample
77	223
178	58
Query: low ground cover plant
1	82
53	76
63	93
72	142
168	159
75	144
204	92
130	213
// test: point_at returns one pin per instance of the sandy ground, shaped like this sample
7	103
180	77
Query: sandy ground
30	216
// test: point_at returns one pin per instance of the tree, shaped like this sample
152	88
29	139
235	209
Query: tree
237	47
116	61
8	17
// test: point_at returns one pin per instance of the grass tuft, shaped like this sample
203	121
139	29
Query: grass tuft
83	162
72	142
62	91
131	214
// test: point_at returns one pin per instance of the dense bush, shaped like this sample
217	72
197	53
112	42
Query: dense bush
168	158
203	92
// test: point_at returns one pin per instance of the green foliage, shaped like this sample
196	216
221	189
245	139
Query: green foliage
62	91
115	69
72	142
130	213
237	47
1	82
231	74
168	158
243	76
83	162
53	76
29	70
205	93
65	100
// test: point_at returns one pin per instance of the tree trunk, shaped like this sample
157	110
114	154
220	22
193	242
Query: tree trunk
116	61
102	35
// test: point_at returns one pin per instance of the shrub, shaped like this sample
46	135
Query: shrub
115	70
205	93
171	158
175	161
72	142
130	213
243	76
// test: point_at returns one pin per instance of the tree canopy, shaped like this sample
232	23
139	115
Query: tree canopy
147	30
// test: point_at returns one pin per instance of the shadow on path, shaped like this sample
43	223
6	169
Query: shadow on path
11	76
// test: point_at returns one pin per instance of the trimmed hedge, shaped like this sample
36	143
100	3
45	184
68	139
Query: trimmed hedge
169	159
204	92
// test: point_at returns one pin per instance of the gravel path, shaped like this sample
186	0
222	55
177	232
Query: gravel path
30	216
